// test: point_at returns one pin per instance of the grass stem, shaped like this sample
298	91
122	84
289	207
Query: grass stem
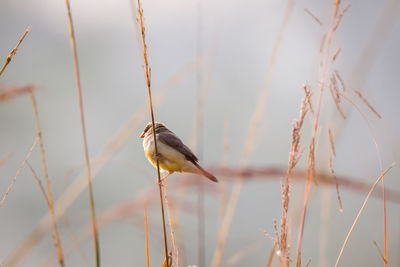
148	83
87	160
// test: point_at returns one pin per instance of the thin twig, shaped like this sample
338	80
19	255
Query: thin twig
56	236
14	50
83	126
380	252
359	214
313	16
39	182
18	172
148	83
171	221
271	255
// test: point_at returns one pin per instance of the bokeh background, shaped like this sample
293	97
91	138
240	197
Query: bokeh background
236	39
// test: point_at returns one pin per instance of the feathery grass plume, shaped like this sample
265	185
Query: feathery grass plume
83	126
313	16
331	142
15	91
358	93
249	145
337	184
336	100
311	155
307	91
336	54
148	83
56	236
359	214
116	142
340	16
18	172
322	45
340	80
295	145
14	50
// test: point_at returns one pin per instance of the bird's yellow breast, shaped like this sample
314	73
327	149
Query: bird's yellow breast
170	160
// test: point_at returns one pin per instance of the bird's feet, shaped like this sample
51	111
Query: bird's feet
162	179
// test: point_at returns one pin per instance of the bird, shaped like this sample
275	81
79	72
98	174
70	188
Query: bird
173	155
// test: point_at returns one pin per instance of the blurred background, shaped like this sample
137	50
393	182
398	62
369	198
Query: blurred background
216	53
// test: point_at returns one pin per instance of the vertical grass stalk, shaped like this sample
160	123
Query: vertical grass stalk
50	201
148	83
88	170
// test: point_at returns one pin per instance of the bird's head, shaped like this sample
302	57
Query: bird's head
148	129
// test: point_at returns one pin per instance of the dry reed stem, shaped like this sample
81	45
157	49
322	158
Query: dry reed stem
147	237
311	155
82	116
14	50
39	182
249	145
172	222
271	255
380	252
148	83
99	162
359	214
358	93
15	91
313	16
50	200
18	172
75	241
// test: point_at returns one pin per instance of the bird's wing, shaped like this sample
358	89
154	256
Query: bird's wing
170	139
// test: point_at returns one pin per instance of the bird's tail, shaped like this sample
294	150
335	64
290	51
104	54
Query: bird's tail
205	173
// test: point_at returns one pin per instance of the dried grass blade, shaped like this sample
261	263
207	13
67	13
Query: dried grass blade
359	214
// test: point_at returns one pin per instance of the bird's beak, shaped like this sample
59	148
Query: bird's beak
142	135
